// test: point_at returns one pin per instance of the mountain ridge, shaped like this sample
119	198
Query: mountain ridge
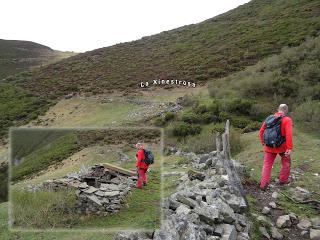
20	55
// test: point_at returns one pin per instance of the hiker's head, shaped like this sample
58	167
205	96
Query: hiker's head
283	108
139	145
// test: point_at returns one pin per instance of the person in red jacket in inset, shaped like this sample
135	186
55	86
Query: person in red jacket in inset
142	167
284	150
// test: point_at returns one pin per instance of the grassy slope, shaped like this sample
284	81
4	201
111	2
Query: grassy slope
79	112
17	56
18	106
45	156
21	145
5	234
293	77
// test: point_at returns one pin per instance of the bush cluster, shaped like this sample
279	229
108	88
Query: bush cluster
182	129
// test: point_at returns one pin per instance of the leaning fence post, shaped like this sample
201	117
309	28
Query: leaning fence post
218	142
227	140
225	158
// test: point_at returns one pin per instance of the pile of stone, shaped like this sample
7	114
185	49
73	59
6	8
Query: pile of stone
204	208
108	198
103	190
99	190
309	228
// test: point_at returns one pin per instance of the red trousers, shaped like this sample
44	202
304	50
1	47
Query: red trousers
267	167
142	177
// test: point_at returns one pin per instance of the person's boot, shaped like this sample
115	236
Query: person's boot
265	188
144	184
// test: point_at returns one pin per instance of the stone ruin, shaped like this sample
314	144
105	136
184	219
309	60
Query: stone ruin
101	190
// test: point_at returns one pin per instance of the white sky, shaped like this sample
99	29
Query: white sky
82	25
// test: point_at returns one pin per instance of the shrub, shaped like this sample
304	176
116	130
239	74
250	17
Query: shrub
308	115
285	87
260	111
200	109
215	71
310	93
310	73
208	118
218	128
214	107
239	122
223	116
202	143
238	106
190	117
182	129
169	116
188	100
159	122
252	126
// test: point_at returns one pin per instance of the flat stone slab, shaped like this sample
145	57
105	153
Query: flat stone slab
99	193
208	214
113	187
94	199
112	194
83	185
90	190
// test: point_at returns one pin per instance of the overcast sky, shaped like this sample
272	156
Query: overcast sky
83	25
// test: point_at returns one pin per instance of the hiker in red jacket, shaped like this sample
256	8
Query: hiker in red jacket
276	136
142	167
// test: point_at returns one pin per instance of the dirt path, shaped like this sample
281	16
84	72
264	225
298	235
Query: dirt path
263	199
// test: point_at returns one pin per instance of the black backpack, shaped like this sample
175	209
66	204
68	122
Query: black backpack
149	158
272	134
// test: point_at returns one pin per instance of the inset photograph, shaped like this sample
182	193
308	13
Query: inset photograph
106	179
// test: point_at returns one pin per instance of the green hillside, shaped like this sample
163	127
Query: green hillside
292	77
249	96
17	56
18	106
200	52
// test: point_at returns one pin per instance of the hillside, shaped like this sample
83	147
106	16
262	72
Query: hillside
17	56
248	97
293	77
199	52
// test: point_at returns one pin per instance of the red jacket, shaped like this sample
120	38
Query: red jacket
286	130
140	157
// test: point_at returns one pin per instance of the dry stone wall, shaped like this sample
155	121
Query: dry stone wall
204	206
